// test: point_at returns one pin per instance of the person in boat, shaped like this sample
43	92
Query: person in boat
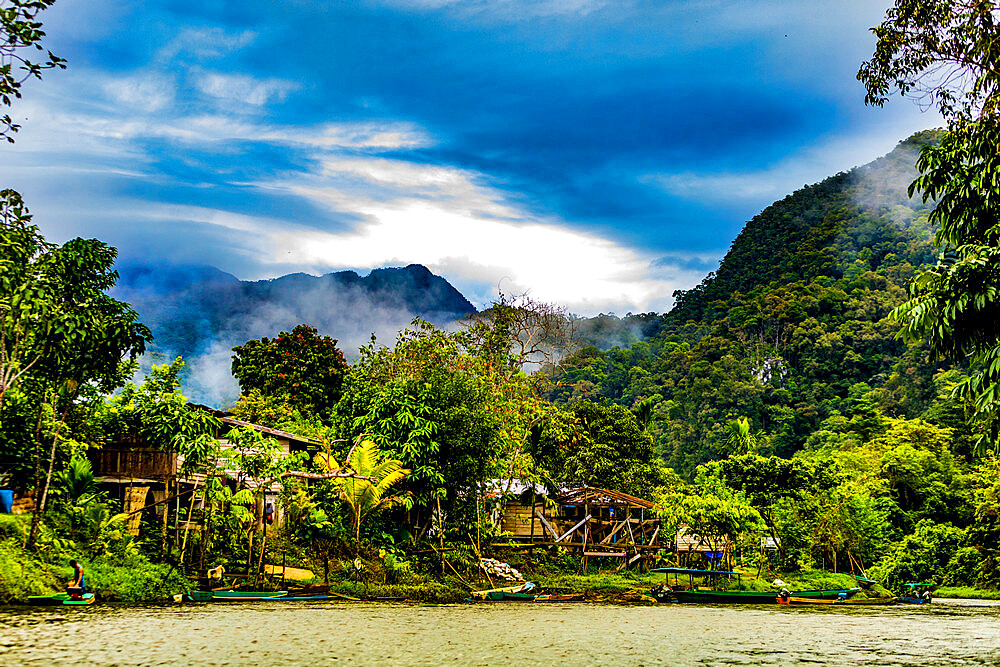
78	586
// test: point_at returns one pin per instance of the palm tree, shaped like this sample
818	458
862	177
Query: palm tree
741	440
366	494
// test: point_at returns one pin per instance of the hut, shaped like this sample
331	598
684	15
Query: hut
143	476
595	523
696	550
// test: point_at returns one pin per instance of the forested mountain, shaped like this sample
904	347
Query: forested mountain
791	331
201	313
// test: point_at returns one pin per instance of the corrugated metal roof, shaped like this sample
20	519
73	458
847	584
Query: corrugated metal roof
271	431
590	495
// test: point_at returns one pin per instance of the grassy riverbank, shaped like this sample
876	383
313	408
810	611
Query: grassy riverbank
966	592
126	577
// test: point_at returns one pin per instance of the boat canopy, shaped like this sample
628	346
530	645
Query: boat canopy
685	570
920	585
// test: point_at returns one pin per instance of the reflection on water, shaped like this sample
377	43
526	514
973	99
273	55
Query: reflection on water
948	632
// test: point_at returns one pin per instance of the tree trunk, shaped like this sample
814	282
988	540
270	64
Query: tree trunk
36	519
187	525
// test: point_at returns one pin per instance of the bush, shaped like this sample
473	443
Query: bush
21	576
133	579
924	556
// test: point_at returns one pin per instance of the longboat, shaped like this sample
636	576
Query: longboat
919	593
231	596
61	599
694	593
792	600
522	592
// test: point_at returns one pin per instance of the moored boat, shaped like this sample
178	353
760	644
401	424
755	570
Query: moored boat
499	593
559	597
792	600
920	593
61	599
235	596
716	595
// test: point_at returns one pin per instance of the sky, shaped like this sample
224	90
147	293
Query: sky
594	154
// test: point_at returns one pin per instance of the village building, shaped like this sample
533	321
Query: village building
142	476
598	524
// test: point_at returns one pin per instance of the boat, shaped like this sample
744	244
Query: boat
499	593
61	599
792	600
919	593
712	595
236	596
559	597
327	596
505	596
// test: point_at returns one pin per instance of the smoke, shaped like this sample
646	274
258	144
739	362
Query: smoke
200	313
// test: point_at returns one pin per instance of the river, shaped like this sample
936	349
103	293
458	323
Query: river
947	632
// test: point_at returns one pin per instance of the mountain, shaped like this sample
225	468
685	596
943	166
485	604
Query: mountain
791	332
200	312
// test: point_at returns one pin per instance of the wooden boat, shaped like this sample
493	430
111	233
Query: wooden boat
735	596
494	593
507	596
919	593
236	596
328	596
849	602
61	599
559	597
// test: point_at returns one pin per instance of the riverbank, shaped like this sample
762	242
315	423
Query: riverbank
131	577
127	576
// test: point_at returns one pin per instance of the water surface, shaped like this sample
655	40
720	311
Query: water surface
947	632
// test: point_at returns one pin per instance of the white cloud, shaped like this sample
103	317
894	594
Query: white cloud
147	92
810	164
205	42
506	9
242	88
585	272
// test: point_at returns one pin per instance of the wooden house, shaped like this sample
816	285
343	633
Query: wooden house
143	476
596	523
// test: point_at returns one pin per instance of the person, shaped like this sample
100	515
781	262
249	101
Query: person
269	514
78	586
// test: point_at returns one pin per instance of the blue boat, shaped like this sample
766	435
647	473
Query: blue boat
919	593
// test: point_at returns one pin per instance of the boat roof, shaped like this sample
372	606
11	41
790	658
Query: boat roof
685	570
925	585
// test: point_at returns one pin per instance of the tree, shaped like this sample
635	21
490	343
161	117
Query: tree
602	446
60	332
302	368
368	496
944	53
20	30
429	404
741	440
941	52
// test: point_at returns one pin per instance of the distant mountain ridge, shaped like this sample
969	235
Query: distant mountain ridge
200	312
792	332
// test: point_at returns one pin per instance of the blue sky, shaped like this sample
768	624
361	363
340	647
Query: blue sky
596	154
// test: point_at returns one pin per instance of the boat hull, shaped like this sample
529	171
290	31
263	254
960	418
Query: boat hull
905	599
236	596
61	599
746	597
849	603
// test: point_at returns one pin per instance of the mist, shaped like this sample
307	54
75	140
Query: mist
201	313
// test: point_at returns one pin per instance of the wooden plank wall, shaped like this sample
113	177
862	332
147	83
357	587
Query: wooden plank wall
517	520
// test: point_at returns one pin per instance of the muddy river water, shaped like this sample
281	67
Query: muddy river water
947	632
